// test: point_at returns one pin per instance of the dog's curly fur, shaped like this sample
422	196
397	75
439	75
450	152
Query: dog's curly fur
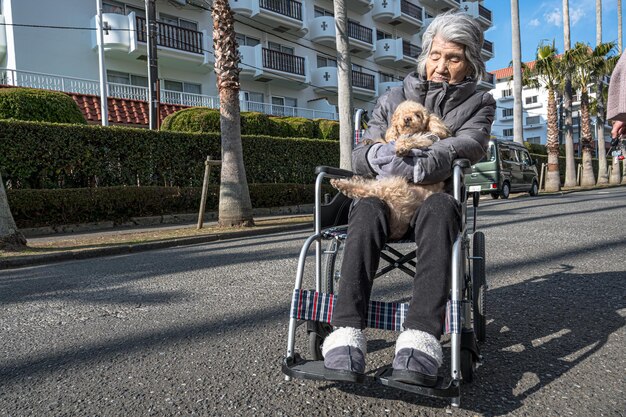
410	127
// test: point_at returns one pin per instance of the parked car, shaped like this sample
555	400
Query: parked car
506	168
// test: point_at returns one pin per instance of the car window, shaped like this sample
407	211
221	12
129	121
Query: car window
490	155
525	157
507	154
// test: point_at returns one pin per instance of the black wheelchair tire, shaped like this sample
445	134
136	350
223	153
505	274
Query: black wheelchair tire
316	338
479	286
467	365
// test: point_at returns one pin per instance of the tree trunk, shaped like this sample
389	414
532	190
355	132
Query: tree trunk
344	85
235	208
603	177
570	162
10	237
588	179
516	53
615	177
620	47
553	180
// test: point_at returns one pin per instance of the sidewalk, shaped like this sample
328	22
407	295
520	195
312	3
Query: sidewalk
115	241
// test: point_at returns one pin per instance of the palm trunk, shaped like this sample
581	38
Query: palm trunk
553	180
603	176
570	162
10	237
344	85
235	208
615	177
588	179
516	53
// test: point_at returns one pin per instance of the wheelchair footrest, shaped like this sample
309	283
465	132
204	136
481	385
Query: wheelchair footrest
299	368
442	389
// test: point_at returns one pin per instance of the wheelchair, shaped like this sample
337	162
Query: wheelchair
465	312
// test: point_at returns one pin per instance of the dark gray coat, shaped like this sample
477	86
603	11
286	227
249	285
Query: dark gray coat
467	113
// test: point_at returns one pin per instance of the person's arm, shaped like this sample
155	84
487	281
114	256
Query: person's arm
619	129
470	142
376	128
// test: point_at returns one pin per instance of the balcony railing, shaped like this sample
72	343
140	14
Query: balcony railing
363	80
411	9
408	49
132	92
281	61
289	8
489	78
484	12
360	32
171	36
488	46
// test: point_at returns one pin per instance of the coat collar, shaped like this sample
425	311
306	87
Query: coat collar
431	94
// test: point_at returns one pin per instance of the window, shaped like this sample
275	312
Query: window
111	6
507	112
382	35
525	157
507	132
386	78
182	87
507	93
533	120
357	68
532	99
319	12
284	106
138	11
534	139
281	48
127	79
255	101
507	154
245	40
323	61
175	21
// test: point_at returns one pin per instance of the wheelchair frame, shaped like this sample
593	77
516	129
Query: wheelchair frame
461	311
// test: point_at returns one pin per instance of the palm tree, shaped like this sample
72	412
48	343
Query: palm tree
588	65
235	208
570	162
516	53
10	237
547	74
603	177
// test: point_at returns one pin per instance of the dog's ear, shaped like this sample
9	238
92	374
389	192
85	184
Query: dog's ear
393	131
436	126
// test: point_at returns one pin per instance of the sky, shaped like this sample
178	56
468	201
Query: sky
542	20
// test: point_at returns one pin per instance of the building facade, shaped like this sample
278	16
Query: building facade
287	48
534	111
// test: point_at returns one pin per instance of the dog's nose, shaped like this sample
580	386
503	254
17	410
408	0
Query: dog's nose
407	121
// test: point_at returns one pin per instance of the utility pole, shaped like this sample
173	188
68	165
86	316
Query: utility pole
153	68
518	132
104	101
570	162
344	85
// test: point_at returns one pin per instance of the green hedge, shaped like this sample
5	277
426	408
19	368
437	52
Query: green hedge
38	208
203	120
39	105
46	155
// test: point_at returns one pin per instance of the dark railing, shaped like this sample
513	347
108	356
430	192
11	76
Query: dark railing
172	36
488	46
484	12
363	80
281	61
408	49
360	32
289	8
411	9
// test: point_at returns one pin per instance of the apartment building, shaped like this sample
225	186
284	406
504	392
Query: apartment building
535	112
287	48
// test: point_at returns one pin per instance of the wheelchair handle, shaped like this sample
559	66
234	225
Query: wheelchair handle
332	172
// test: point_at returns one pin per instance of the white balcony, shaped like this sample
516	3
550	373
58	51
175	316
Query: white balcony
479	12
360	6
487	51
324	79
442	5
266	65
125	37
396	52
281	15
3	39
383	87
488	82
323	30
405	15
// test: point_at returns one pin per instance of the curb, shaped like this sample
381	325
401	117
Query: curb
32	260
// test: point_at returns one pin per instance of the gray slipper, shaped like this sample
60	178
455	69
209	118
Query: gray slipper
344	355
414	367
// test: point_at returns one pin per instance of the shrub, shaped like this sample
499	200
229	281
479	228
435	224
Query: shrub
302	127
329	129
281	128
195	119
255	123
39	105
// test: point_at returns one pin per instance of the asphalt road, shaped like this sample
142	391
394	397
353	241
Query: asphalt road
201	330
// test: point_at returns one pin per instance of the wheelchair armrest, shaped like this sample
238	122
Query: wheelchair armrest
464	164
332	172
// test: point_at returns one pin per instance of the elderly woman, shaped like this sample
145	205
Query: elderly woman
445	82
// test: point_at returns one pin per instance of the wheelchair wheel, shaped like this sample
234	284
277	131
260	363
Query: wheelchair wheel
317	333
479	286
467	365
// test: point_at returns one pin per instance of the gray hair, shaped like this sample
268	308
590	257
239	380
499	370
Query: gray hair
459	28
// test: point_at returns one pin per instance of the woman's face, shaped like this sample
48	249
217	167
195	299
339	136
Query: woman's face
446	62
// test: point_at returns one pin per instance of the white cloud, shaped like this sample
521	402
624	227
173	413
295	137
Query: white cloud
534	23
576	14
554	17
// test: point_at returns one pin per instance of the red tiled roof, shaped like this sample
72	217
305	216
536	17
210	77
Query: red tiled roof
508	72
